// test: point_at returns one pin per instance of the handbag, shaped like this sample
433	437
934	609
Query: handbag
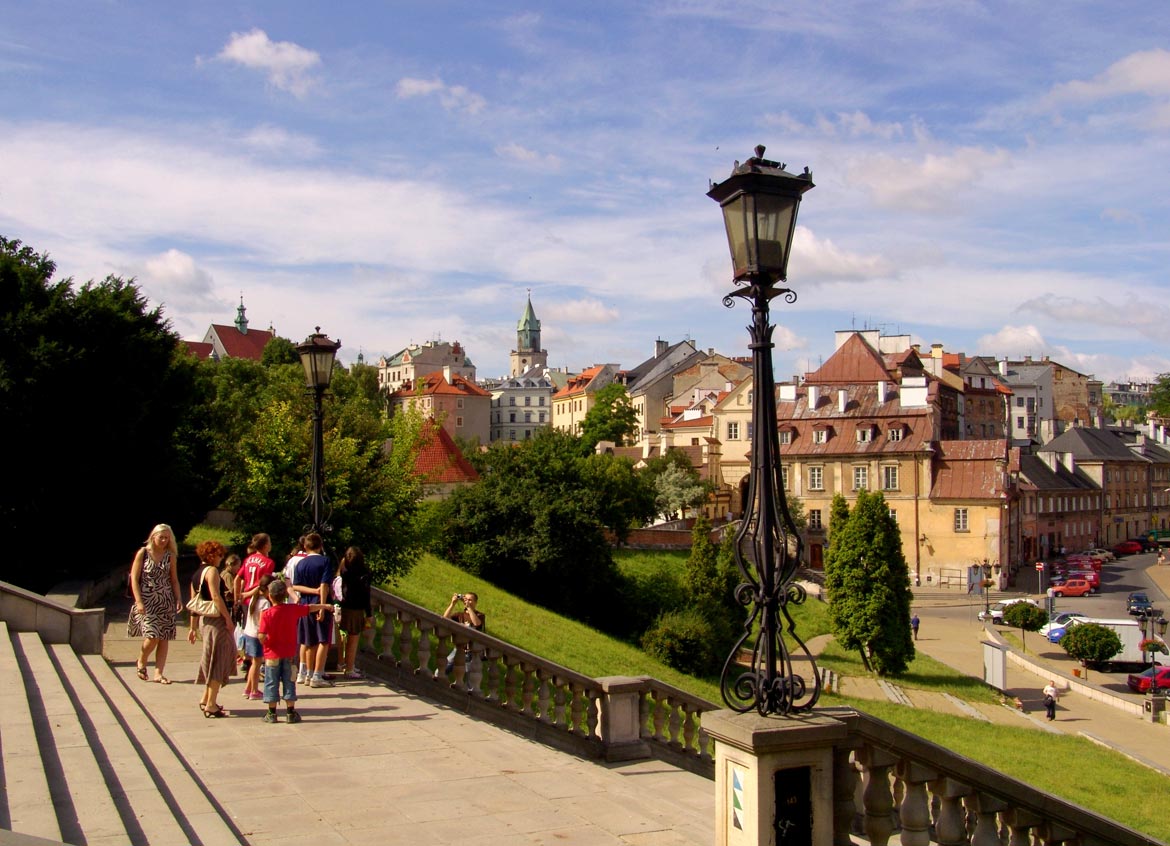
200	606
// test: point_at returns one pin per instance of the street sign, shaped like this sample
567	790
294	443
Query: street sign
1039	566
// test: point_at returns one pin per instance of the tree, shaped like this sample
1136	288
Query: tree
676	490
1026	617
612	418
868	583
1091	643
98	389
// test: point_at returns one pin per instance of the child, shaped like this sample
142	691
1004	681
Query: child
252	648
278	634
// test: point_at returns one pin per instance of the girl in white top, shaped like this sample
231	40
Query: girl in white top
252	646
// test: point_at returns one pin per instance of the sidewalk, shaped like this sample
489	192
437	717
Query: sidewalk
373	764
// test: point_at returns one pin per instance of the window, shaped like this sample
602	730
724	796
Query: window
528	400
749	431
542	417
511	400
816	480
860	478
820	436
528	417
864	435
895	434
894	515
890	478
786	436
541	401
458	422
1019	422
814	518
961	520
459	402
1019	402
511	434
784	477
511	417
733	431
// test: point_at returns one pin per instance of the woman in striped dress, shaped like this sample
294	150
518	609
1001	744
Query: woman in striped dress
154	581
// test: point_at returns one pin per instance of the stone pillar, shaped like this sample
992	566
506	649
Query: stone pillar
773	778
621	728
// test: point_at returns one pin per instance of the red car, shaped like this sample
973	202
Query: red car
1127	548
1073	587
1140	682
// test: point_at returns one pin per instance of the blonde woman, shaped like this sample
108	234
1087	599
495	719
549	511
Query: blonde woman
154	582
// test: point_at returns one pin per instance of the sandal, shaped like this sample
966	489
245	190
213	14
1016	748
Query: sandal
161	679
219	711
142	673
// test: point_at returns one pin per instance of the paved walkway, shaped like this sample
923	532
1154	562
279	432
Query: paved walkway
372	764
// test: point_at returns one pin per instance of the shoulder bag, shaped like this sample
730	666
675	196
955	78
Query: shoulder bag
200	606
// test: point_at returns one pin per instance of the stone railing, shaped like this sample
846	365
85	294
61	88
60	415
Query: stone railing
615	718
873	782
55	622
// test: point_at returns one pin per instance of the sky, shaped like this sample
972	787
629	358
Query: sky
991	176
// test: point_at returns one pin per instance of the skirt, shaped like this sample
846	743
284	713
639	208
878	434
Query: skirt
218	661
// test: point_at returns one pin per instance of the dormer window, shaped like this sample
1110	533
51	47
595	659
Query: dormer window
820	436
894	433
864	434
785	436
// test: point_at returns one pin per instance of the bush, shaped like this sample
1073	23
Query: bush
686	641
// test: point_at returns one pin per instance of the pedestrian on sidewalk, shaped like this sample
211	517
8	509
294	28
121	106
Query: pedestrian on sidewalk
1050	696
278	634
154	586
914	621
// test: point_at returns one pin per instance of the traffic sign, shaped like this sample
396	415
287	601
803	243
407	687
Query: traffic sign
1039	566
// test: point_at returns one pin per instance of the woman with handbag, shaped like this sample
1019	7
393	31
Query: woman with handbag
154	586
218	661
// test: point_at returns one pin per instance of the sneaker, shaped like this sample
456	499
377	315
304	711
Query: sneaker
320	681
270	717
355	674
294	717
256	696
302	678
247	694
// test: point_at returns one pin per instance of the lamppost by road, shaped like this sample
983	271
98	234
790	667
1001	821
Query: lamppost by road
317	356
1154	626
760	201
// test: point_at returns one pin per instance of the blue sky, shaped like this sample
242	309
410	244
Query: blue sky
990	176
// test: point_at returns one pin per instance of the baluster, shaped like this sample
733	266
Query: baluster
493	673
576	706
558	703
675	722
509	684
442	648
475	673
951	823
424	648
1020	824
528	690
658	715
844	796
987	810
458	661
689	721
385	637
405	639
1053	834
915	807
592	712
542	697
877	798
704	745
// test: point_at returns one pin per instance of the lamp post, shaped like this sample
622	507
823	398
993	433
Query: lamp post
317	357
1153	624
760	201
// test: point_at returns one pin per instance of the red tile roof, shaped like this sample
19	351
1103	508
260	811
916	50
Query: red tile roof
862	410
439	461
199	349
969	470
854	361
579	383
436	383
241	345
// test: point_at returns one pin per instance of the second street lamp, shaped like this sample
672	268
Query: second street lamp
760	201
318	355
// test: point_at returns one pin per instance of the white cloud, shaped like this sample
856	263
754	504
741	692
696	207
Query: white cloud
516	152
287	65
1127	313
930	183
820	259
452	97
1013	342
1126	216
1146	72
275	140
580	311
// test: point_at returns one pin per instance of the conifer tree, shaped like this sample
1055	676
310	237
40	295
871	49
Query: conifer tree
868	583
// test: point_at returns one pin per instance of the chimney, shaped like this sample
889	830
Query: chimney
936	350
813	396
1003	368
881	388
842	399
447	373
660	347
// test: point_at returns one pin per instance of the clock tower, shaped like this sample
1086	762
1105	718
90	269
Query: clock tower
528	353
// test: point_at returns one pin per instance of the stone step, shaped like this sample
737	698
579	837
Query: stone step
190	803
28	807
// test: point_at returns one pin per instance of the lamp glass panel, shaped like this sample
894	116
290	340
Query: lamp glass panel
773	224
735	218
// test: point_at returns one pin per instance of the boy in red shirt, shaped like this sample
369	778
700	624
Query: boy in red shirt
278	633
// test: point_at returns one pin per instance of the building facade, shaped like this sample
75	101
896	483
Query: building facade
417	360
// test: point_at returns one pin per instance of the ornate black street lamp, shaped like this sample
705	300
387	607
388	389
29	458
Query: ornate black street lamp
317	356
759	201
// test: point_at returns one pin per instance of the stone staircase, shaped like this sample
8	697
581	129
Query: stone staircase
82	763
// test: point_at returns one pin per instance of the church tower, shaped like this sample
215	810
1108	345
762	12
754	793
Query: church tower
528	353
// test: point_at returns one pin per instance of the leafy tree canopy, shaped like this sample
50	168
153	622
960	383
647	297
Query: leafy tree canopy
612	418
1160	395
1026	617
868	583
98	388
1090	643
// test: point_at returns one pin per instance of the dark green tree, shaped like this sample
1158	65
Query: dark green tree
868	585
1160	395
612	418
97	389
1090	643
1026	617
279	351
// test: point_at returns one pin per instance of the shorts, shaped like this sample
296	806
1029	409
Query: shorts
313	632
353	621
279	677
252	647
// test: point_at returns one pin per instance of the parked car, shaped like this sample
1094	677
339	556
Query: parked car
1138	603
1091	576
1073	587
1146	544
1106	555
1083	559
1127	547
1059	621
995	612
1157	677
